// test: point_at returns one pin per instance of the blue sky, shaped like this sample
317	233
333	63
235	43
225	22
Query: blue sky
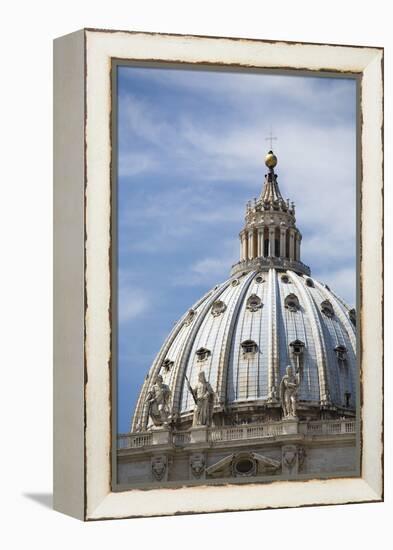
191	154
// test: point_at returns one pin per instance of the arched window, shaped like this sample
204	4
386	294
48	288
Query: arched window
266	242
277	242
254	303
292	302
285	279
352	316
249	347
202	354
259	279
341	352
287	244
309	282
218	307
327	308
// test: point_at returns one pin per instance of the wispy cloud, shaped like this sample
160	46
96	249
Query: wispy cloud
132	303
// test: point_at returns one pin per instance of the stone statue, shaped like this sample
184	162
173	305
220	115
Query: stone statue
288	392
158	402
203	396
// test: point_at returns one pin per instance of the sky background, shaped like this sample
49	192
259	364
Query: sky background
191	148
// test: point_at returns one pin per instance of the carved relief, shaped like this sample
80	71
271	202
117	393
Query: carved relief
293	459
289	459
159	465
197	465
244	464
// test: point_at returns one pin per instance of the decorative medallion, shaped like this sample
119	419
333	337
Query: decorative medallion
218	307
254	303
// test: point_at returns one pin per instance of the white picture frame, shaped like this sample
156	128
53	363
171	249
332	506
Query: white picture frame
82	334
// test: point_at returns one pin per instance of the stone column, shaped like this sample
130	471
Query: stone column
245	248
250	244
291	245
282	241
298	239
271	241
260	241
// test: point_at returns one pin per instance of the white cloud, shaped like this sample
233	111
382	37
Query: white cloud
133	163
133	303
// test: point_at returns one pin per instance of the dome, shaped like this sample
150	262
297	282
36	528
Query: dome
244	333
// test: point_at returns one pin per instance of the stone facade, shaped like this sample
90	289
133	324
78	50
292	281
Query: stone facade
268	450
259	378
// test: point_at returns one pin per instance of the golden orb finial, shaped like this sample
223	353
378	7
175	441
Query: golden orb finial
271	160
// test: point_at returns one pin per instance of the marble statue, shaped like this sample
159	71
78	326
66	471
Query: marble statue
203	396
158	402
288	392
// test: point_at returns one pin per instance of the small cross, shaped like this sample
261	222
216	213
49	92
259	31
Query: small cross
271	138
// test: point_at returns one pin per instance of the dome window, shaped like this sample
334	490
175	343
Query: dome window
249	347
202	354
297	347
190	317
285	279
352	316
254	303
327	308
218	307
235	282
341	352
167	365
259	279
292	303
310	282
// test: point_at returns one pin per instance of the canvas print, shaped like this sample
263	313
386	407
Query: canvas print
235	277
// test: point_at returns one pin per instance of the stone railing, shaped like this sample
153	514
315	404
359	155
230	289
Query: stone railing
229	433
328	427
219	434
134	441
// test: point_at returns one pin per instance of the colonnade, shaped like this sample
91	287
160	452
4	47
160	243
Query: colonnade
267	242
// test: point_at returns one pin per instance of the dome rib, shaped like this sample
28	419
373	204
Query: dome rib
222	376
317	332
273	358
185	354
340	312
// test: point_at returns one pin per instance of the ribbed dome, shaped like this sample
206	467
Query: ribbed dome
245	332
